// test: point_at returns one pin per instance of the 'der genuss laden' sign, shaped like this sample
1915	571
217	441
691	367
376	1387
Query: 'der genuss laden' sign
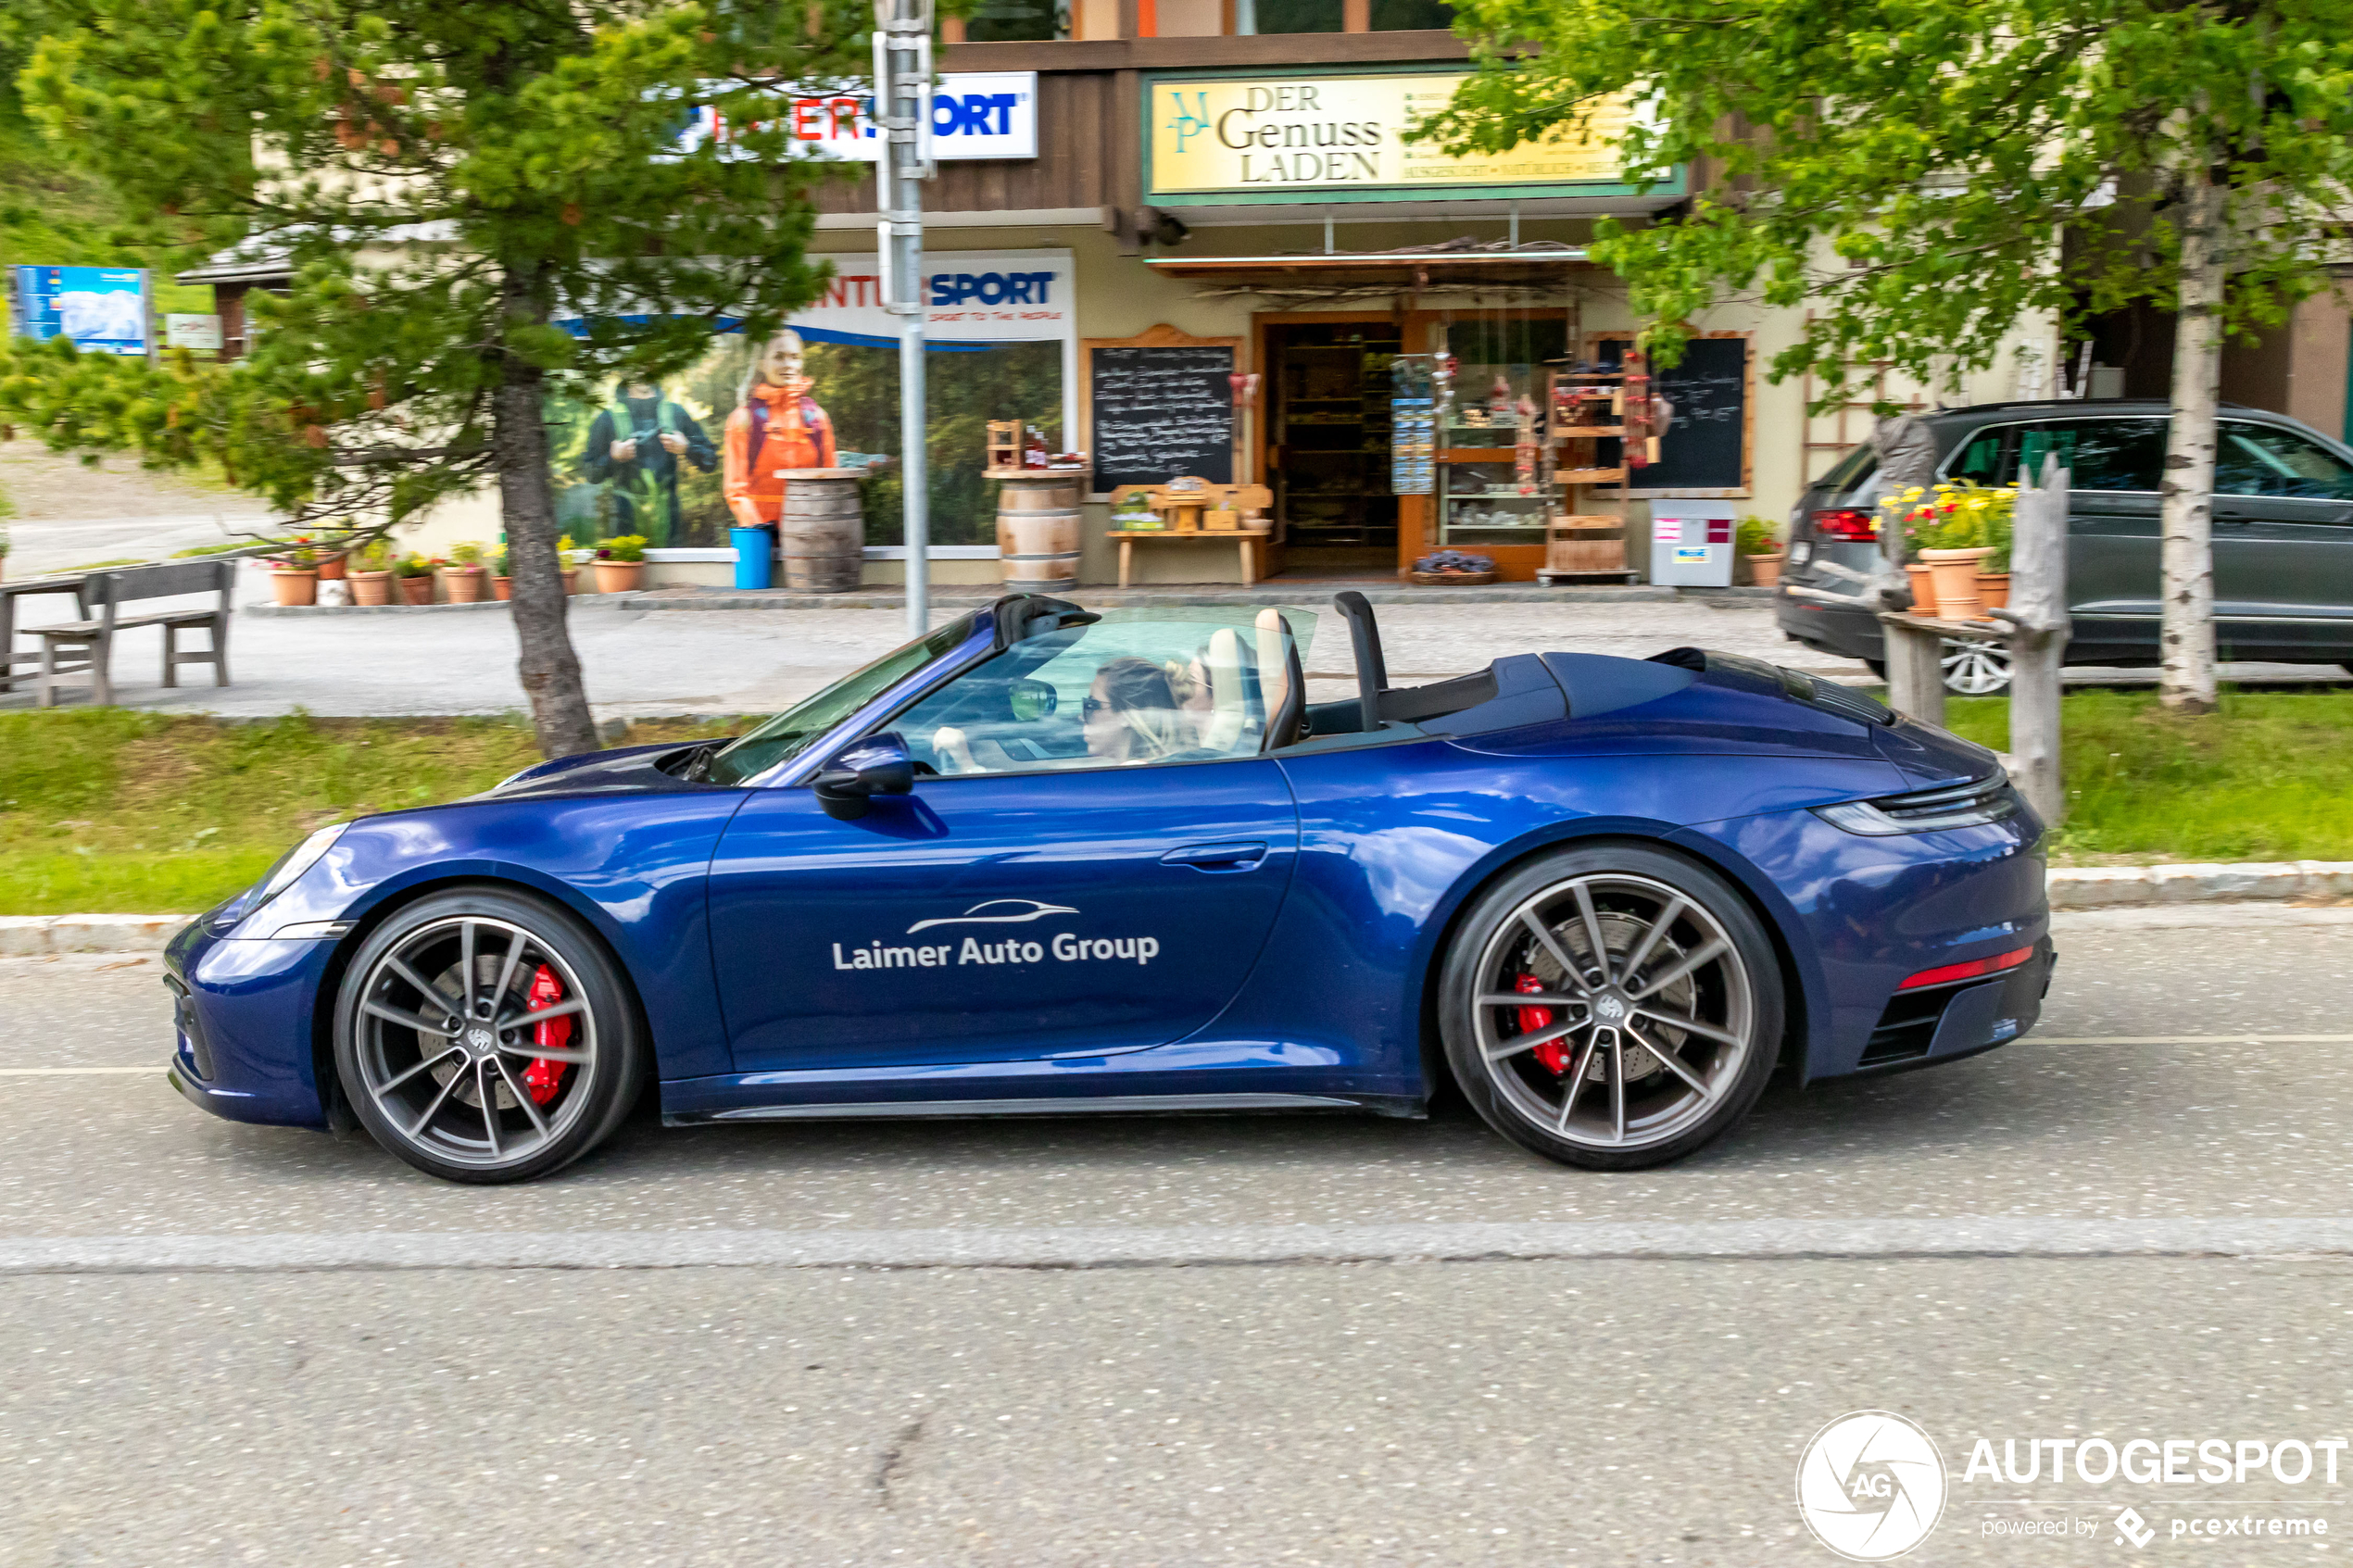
1339	138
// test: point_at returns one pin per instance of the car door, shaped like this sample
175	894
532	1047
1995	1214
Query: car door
1030	897
2115	464
2283	545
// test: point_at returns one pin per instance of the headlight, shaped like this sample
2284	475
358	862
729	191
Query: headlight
298	861
1929	811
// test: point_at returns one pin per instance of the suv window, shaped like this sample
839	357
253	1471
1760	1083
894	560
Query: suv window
2126	454
2252	459
1980	460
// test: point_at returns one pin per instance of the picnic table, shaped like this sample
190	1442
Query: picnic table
31	587
84	646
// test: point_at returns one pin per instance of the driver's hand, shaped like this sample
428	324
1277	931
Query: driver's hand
954	751
624	451
672	443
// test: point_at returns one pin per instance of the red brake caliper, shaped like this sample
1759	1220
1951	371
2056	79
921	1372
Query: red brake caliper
1553	1054
543	1077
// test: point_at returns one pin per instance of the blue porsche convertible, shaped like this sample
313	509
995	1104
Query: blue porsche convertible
1050	860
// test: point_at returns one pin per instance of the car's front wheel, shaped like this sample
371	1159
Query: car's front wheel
1615	1007
485	1036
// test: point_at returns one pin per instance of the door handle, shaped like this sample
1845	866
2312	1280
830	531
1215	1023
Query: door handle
1216	856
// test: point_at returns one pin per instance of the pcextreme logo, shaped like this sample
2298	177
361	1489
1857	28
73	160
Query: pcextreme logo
1870	1486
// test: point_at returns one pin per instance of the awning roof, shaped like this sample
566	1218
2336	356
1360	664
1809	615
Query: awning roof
1401	269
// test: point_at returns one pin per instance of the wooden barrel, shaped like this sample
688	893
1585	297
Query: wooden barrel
1038	534
821	533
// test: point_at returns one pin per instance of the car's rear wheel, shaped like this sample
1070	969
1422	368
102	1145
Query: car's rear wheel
1615	1007
1976	669
485	1036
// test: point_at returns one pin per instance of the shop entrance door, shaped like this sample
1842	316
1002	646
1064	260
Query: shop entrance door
1327	441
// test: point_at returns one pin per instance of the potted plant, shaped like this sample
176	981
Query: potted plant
416	578
463	574
294	576
372	575
571	558
1963	533
333	560
1760	542
621	562
502	586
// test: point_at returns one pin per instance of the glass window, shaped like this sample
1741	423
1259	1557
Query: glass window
791	732
1852	470
1135	687
1286	16
1405	15
2127	454
2265	461
1980	460
1012	21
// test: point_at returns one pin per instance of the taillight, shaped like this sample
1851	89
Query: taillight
1858	528
1945	974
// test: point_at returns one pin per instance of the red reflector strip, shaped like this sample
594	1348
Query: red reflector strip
1944	974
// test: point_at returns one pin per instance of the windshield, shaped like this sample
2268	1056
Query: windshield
786	735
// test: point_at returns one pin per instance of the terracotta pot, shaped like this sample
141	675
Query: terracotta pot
1956	572
295	587
1993	590
370	588
572	580
417	590
618	576
463	582
502	588
1766	571
331	569
1923	589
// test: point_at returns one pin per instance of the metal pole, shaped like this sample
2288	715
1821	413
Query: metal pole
902	111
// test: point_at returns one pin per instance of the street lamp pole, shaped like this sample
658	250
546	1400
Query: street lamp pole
902	112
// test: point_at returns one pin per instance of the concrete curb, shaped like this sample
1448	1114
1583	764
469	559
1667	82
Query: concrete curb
2073	887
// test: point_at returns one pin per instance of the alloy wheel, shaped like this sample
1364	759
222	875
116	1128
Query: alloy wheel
1975	669
475	1042
1613	1012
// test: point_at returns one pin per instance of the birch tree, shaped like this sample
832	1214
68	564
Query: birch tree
1922	173
484	204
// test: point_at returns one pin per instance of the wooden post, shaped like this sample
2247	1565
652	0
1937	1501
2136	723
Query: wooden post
1915	669
2037	616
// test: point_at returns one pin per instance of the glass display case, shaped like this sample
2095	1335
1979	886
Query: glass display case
1485	503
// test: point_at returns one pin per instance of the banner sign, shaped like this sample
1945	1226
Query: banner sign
1303	136
974	115
103	310
971	296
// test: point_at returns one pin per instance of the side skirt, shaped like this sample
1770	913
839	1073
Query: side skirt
1073	1104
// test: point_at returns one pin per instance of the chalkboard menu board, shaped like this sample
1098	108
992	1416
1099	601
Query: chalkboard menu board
1160	412
1704	451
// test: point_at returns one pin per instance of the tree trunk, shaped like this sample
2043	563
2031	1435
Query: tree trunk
549	670
2185	684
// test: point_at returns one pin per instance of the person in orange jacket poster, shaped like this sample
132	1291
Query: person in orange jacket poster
778	426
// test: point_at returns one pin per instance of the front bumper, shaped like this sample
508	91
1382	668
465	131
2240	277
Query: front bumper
246	1025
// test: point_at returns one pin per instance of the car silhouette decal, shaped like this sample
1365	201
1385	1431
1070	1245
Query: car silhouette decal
1010	911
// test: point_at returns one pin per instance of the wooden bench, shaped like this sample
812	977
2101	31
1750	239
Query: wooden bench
85	648
1248	538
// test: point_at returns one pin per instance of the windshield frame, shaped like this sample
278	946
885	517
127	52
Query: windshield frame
978	640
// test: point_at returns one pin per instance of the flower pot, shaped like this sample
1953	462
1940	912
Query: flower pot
502	588
463	582
618	576
1993	590
1766	571
1923	589
1956	574
331	569
370	588
295	587
572	580
417	590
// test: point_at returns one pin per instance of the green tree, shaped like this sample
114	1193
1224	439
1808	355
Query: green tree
1910	168
454	182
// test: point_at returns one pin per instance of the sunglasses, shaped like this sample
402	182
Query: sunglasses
1090	706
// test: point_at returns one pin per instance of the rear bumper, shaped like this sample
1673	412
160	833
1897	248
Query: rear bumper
1941	1024
1827	622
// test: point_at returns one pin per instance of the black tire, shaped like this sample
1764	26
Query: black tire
1649	1113
416	1070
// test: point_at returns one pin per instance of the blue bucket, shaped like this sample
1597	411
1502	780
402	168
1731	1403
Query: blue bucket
755	557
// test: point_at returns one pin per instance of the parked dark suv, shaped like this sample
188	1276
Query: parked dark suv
2283	535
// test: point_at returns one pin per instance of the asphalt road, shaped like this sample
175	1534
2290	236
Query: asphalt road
281	1348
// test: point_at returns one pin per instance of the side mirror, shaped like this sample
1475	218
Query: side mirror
1032	699
877	765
